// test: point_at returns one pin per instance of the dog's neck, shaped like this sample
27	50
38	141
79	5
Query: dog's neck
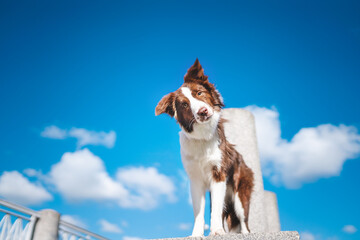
205	131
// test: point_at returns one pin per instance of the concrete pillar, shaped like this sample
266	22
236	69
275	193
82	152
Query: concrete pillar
271	212
240	130
47	226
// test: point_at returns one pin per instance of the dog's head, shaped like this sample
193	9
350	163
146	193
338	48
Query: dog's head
195	103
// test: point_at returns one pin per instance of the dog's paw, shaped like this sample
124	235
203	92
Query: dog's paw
245	231
217	232
197	235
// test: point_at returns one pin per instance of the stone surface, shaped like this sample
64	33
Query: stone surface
250	236
240	130
47	226
271	212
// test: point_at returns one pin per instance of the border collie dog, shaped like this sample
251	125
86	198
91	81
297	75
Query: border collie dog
210	161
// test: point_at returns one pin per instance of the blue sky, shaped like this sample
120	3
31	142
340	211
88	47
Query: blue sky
93	72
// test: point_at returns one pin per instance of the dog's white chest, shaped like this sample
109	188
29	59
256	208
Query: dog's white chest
200	156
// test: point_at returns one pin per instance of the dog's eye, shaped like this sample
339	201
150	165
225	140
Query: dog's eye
199	93
184	104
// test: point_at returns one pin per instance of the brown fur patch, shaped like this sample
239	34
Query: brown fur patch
207	94
184	114
195	73
218	175
166	105
240	176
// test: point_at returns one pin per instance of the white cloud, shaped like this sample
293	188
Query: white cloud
31	172
73	220
307	236
82	176
54	132
15	187
185	226
313	153
131	238
109	227
349	229
84	137
37	174
147	186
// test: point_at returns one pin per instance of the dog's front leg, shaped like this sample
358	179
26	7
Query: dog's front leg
198	191
218	191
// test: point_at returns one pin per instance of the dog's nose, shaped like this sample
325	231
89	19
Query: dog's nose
203	111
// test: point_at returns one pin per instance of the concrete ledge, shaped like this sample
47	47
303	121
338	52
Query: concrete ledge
285	235
271	212
240	130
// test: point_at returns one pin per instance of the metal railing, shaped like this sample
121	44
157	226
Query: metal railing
68	231
15	230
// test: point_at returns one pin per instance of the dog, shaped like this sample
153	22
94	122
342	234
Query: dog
210	161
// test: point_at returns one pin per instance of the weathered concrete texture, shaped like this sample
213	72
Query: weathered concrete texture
47	226
271	212
240	130
249	236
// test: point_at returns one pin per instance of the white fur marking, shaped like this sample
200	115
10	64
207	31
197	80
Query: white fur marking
240	213
218	190
195	104
201	130
198	199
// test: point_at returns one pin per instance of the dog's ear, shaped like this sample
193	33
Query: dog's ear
166	105
195	73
